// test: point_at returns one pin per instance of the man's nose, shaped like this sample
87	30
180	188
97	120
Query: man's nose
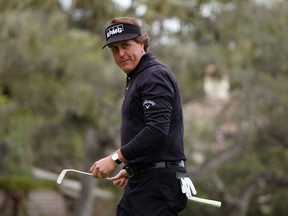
121	52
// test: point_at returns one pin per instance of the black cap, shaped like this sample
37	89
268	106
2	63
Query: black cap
120	32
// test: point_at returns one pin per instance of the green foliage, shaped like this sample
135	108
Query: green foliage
55	82
3	99
57	76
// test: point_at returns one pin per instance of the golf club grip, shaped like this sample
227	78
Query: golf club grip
205	201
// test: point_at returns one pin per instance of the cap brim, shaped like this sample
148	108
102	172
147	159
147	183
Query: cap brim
118	38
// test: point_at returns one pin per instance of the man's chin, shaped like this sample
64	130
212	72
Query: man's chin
126	69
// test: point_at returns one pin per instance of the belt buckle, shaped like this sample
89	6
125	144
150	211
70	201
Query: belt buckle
176	164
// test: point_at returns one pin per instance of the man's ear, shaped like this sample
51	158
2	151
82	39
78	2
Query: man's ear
142	43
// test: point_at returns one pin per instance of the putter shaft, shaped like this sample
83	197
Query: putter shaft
63	173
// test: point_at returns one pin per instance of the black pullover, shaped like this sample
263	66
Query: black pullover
152	119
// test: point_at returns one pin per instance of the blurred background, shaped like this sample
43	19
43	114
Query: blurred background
60	98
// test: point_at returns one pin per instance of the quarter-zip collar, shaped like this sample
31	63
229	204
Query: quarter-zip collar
143	63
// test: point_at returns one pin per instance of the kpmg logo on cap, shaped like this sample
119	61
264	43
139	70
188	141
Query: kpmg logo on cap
113	30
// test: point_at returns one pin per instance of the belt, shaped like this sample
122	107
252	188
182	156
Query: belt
132	170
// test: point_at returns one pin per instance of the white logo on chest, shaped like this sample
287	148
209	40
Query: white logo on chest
148	103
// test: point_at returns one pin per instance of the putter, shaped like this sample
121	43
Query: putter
63	173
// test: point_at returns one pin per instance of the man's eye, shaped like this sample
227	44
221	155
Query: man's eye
114	49
125	46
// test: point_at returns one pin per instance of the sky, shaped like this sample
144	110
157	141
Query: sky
123	3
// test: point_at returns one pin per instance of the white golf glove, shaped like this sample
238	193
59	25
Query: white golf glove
187	186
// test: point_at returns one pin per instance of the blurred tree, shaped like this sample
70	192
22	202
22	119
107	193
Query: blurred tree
51	91
51	76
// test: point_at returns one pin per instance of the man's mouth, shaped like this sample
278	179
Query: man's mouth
124	61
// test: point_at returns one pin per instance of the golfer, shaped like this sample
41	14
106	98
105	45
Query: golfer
151	130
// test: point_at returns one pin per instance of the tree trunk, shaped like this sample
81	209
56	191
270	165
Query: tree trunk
84	206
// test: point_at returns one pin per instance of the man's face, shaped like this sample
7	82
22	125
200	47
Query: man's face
127	54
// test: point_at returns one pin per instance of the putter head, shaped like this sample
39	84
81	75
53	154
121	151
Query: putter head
61	176
63	173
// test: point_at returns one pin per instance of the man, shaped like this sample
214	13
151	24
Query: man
151	130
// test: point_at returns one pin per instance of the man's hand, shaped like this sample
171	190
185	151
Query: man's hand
103	168
121	179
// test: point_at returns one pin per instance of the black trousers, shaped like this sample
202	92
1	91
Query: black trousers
155	192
